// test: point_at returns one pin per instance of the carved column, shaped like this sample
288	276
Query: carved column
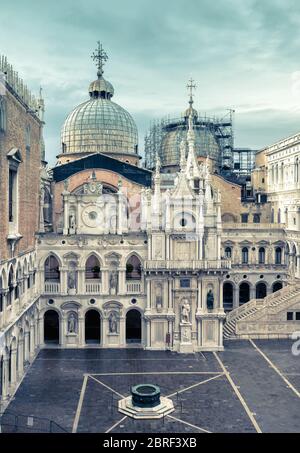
5	374
20	364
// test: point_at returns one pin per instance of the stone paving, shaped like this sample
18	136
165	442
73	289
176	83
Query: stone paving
79	389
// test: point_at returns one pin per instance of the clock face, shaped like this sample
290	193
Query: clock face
91	216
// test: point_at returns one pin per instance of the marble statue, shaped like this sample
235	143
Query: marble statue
113	323
72	223
113	281
72	323
72	279
185	312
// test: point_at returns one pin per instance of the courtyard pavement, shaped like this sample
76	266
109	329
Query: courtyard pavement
253	386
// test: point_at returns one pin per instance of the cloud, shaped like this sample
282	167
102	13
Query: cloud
241	54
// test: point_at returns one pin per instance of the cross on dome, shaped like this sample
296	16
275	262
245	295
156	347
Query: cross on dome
100	57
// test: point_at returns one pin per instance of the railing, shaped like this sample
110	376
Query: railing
93	287
19	423
133	287
52	287
257	226
187	265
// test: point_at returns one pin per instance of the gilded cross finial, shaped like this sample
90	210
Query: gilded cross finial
191	86
100	57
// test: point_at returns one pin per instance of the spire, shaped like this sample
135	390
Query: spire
191	86
100	57
182	156
157	165
190	111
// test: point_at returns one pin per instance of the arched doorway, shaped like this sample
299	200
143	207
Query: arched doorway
92	327
133	326
244	293
261	290
51	327
228	296
276	286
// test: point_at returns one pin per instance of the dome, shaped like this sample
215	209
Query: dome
99	126
206	144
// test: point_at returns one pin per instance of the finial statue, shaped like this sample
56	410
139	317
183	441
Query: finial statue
157	164
100	57
182	154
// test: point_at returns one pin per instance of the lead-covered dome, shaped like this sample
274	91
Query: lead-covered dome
99	125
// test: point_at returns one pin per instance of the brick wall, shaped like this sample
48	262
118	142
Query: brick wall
28	175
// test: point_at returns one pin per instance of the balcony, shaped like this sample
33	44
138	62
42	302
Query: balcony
133	287
93	287
192	265
52	287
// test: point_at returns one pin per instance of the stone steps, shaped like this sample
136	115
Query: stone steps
287	295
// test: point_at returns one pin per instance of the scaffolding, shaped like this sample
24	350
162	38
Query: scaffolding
215	133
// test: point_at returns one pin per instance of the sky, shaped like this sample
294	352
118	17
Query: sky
243	55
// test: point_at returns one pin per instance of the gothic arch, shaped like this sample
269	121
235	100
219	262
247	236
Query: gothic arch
44	258
83	259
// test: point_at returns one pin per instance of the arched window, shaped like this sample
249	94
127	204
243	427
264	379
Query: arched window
244	293
278	255
297	170
228	252
52	272
10	294
92	268
133	268
227	296
261	290
245	255
276	286
279	216
272	216
262	255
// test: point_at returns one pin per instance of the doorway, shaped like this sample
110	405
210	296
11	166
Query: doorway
133	326
51	327
92	327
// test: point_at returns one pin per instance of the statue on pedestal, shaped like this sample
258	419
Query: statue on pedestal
185	312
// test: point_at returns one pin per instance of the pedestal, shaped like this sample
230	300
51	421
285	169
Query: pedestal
186	345
71	339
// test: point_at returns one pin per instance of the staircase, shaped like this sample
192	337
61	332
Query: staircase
272	303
